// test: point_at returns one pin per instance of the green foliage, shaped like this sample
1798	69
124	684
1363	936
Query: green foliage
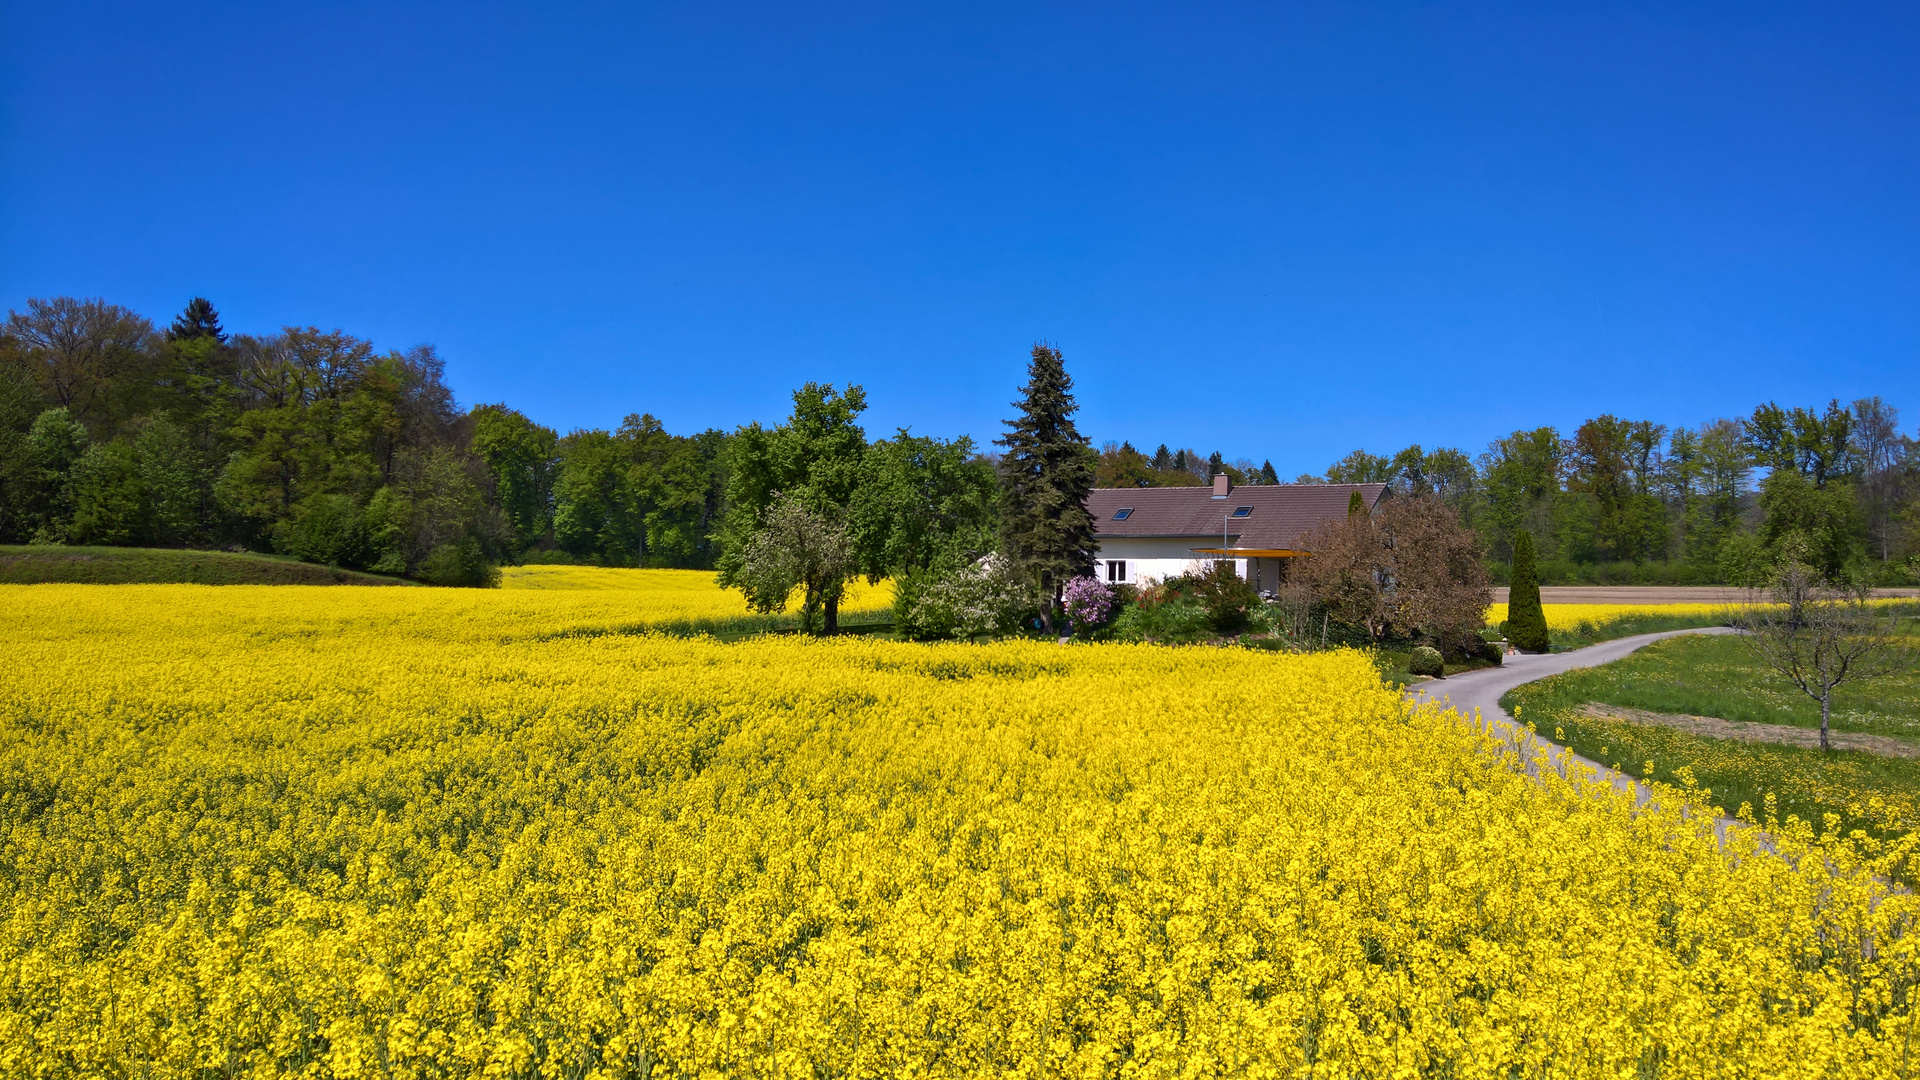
520	459
327	529
1426	660
921	502
1360	467
1823	522
1526	620
461	564
105	486
1222	594
1163	616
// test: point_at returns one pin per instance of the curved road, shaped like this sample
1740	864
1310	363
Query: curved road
1482	690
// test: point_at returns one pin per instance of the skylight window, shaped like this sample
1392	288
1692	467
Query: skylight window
1242	511
1123	513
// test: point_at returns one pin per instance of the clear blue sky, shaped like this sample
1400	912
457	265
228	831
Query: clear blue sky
1276	232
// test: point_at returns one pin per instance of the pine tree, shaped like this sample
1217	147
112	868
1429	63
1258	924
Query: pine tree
1356	504
1162	458
199	320
1267	475
1215	465
1045	478
1526	619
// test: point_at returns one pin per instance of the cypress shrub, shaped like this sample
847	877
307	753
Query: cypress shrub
1526	619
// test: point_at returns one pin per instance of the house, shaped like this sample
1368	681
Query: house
1148	534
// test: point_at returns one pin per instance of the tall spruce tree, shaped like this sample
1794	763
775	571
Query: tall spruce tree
1045	478
199	320
1356	504
1267	475
1526	619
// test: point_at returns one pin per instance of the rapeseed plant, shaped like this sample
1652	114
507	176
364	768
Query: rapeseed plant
410	833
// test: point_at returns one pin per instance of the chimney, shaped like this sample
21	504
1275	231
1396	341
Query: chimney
1221	485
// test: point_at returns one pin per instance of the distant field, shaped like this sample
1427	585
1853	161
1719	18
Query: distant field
22	565
1652	594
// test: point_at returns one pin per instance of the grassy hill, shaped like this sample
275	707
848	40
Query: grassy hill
21	565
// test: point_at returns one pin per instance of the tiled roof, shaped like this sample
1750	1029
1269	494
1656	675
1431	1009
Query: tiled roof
1282	513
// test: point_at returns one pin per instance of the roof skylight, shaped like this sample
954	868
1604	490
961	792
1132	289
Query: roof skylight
1123	513
1242	511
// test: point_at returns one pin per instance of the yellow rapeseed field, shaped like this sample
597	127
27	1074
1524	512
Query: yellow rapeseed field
1566	618
335	832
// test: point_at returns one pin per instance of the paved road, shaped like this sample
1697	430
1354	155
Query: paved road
1482	690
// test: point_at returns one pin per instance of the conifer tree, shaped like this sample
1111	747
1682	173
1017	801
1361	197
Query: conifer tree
199	320
1045	478
1526	619
1267	475
1356	504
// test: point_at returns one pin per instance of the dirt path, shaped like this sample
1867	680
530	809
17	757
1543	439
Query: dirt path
1652	594
1745	731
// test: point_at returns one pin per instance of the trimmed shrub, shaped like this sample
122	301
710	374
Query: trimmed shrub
1425	660
1526	624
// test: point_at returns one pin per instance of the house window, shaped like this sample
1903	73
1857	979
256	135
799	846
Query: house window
1116	569
1123	513
1242	511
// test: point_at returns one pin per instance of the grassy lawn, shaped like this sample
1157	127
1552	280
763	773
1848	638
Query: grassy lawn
1717	676
24	565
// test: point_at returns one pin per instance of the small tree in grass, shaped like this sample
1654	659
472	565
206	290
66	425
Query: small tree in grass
1526	619
1819	637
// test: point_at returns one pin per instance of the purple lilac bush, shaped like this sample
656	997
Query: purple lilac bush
1088	601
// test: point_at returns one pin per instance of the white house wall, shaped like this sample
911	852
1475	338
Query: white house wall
1157	558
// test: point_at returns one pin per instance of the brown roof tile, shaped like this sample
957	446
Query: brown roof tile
1282	513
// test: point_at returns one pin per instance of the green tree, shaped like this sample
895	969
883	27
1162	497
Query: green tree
1267	475
814	459
796	546
1361	467
922	502
1823	522
198	320
1526	618
1046	475
1519	478
595	515
106	495
54	444
520	459
1120	465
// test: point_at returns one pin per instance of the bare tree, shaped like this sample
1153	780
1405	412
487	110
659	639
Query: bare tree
76	349
1349	572
1439	588
1819	637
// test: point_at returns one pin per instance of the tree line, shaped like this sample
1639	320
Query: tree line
1632	501
312	443
315	444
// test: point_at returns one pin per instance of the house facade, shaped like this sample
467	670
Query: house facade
1149	534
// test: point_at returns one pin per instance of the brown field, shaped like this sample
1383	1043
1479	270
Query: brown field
1651	594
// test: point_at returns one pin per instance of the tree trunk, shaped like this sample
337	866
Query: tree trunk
833	612
1826	704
